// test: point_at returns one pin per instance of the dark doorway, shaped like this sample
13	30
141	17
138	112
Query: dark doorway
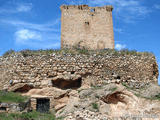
43	105
3	109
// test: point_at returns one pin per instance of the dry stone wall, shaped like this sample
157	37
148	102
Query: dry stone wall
73	71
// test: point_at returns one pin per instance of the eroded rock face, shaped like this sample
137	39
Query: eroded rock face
67	82
99	102
114	98
120	103
21	87
106	101
15	107
78	83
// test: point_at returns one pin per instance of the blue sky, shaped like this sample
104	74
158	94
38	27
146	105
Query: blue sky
35	24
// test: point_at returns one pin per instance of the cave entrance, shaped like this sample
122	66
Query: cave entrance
23	89
43	105
67	84
114	98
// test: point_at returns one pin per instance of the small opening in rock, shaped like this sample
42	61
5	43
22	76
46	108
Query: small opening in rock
67	84
24	89
3	109
154	68
114	98
72	72
118	77
87	23
50	76
43	105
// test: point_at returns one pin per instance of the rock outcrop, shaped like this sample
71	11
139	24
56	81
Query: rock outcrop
86	85
117	102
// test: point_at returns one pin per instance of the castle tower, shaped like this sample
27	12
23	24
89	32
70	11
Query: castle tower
89	27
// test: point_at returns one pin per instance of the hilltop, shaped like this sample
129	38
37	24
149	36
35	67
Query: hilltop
81	83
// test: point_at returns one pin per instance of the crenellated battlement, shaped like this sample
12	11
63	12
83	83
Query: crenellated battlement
86	7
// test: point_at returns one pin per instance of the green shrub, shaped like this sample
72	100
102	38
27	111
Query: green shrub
113	89
125	85
27	52
78	50
158	96
96	87
95	106
137	94
8	53
11	97
27	116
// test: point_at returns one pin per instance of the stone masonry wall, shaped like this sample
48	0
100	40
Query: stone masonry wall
69	71
89	27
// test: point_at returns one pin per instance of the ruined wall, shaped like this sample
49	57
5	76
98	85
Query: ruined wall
89	27
56	77
72	71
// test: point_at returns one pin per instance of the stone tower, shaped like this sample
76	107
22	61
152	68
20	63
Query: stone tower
89	27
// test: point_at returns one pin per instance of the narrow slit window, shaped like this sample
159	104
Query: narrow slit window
87	23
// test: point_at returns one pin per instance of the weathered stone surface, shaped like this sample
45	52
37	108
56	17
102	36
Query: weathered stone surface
81	82
15	107
39	71
121	104
21	87
104	108
150	91
83	26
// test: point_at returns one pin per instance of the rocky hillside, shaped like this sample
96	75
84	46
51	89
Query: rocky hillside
113	101
86	85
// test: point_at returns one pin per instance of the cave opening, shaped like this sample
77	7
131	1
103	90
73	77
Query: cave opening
67	84
24	89
114	98
72	72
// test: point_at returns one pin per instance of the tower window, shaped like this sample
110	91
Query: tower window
87	23
92	10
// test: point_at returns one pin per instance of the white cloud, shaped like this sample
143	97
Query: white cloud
24	35
46	35
120	46
49	27
157	6
36	39
16	8
24	7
